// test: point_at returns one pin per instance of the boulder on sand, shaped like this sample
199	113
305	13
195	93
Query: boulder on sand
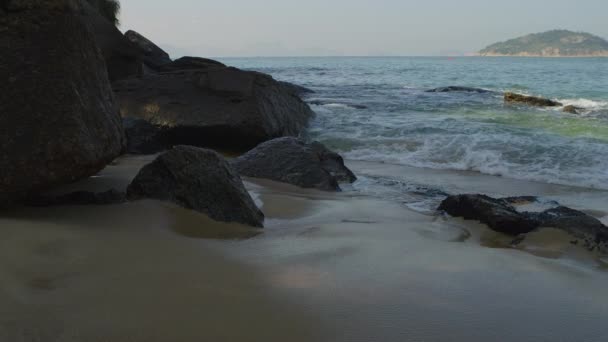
214	107
200	180
502	215
153	56
291	160
530	100
58	119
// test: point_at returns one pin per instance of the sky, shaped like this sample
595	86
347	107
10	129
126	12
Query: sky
227	28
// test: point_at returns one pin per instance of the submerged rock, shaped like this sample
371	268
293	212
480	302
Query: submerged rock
214	107
450	89
200	180
291	160
530	100
571	109
58	119
503	216
153	56
79	198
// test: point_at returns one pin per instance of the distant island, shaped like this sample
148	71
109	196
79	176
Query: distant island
555	43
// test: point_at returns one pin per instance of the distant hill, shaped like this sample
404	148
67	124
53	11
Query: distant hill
556	43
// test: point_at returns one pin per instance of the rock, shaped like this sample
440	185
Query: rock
530	100
200	180
79	198
215	107
296	89
571	109
153	56
191	63
58	119
451	89
123	58
499	215
144	137
291	160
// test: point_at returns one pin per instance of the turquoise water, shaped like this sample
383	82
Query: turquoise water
376	109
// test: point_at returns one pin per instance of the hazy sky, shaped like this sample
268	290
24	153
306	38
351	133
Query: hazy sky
354	27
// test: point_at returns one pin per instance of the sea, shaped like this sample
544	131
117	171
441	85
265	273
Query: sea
377	109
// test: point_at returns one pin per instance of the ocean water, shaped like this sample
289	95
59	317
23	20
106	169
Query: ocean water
376	109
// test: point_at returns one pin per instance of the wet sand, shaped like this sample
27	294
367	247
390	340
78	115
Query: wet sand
327	267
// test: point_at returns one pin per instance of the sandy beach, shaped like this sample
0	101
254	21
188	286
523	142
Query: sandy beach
327	267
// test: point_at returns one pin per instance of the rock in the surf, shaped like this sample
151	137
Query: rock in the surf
197	179
571	109
58	119
451	89
530	100
291	160
214	106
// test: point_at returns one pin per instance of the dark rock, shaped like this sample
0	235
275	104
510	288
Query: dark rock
499	215
123	58
530	100
191	63
577	223
451	89
197	179
296	89
290	160
571	109
216	107
144	137
79	198
58	119
153	56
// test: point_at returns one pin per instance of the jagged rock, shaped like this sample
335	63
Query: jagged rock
200	180
79	198
58	119
153	56
191	63
530	100
451	89
571	109
291	160
214	107
498	214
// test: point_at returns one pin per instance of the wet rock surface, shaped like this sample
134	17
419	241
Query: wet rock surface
530	100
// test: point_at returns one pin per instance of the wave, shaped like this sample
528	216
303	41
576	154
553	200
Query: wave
587	104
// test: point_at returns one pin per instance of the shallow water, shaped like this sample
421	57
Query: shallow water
376	109
327	267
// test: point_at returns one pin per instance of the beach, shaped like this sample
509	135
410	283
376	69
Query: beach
327	267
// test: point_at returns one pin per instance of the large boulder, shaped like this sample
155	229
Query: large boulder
58	119
291	160
530	100
214	107
200	180
153	56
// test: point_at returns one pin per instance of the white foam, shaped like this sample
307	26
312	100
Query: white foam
585	103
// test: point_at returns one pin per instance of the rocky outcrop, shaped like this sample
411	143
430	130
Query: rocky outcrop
153	56
296	89
191	63
291	160
214	107
58	119
79	198
200	180
530	100
502	215
451	89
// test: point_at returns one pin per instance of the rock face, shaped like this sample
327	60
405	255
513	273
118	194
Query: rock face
144	137
214	106
197	179
530	100
502	215
58	119
153	56
451	89
290	160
